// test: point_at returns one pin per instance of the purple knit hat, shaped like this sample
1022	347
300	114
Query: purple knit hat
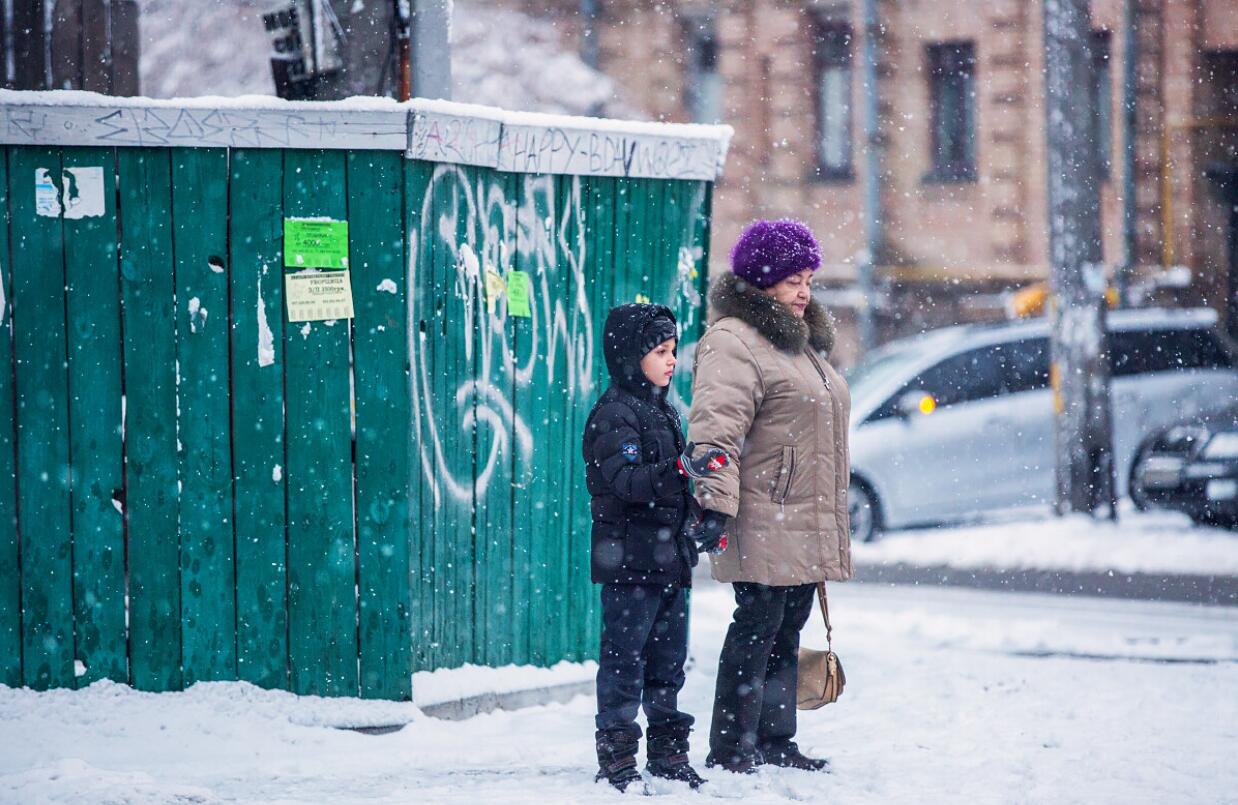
770	251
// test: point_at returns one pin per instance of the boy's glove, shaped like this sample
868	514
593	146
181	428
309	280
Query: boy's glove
713	459
709	532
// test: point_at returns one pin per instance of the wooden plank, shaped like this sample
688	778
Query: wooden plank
151	499
549	548
66	44
570	150
96	427
258	461
4	60
31	67
380	356
498	435
43	479
10	571
54	120
96	74
322	598
207	577
126	48
422	571
571	244
622	289
452	416
535	255
520	335
602	229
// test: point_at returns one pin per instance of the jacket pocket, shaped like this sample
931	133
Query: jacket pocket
786	472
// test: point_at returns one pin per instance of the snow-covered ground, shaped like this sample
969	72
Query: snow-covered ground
952	696
1139	542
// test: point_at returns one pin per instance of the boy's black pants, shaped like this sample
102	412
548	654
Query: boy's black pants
754	702
644	647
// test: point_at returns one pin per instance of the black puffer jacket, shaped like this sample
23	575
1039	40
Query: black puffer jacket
632	442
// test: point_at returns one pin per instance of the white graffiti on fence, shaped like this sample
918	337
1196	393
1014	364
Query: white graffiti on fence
481	228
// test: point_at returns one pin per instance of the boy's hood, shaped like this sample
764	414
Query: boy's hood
621	343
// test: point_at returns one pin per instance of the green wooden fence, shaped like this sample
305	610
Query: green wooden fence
206	491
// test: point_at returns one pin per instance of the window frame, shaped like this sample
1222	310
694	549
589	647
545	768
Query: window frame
1143	351
945	61
1025	382
833	50
701	36
1102	119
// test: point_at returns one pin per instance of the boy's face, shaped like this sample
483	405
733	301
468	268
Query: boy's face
659	363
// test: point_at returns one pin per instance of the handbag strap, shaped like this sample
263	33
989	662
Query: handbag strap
825	613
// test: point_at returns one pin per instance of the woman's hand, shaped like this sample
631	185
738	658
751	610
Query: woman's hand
709	533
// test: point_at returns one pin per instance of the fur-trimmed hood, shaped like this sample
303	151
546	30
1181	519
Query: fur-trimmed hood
733	296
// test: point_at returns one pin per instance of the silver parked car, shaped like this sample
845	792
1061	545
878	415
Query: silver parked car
959	421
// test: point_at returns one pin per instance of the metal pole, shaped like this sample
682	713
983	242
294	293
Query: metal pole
588	38
404	21
1080	368
872	183
1130	101
431	56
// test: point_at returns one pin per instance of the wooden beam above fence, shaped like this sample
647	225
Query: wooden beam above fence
435	131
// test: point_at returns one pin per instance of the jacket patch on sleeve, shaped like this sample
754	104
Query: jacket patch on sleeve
631	450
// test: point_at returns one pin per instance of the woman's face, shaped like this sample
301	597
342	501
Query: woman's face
659	363
794	291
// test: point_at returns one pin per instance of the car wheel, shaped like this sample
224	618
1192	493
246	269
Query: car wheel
864	511
1134	486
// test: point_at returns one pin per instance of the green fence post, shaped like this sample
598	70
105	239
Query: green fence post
95	427
208	567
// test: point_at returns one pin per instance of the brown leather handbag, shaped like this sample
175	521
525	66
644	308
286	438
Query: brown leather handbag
821	677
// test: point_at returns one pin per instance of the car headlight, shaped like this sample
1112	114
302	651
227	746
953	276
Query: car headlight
1223	445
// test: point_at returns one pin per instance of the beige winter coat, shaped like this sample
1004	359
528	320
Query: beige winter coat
763	391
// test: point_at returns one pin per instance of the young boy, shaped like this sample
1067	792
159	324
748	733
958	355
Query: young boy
637	469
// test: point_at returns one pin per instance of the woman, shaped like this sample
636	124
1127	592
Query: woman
764	393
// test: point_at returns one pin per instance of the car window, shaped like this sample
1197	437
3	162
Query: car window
1025	365
1135	352
979	374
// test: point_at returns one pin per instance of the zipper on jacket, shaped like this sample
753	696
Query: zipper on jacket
813	360
786	473
834	419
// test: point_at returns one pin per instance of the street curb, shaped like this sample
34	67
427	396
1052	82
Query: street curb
1186	588
460	709
469	706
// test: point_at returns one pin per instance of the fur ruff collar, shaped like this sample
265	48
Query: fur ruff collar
733	296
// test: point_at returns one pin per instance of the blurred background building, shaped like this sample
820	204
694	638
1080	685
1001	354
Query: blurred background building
960	131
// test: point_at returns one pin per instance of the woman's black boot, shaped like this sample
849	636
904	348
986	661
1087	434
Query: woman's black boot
788	755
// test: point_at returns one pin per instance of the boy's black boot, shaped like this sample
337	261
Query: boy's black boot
666	751
617	757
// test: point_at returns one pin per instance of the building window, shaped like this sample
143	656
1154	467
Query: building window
833	100
702	81
1104	102
952	102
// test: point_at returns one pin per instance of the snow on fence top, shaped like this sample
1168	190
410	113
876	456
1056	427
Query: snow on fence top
438	131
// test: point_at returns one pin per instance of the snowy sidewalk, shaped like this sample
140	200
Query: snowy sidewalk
953	696
1159	555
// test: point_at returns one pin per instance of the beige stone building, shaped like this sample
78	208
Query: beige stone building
961	135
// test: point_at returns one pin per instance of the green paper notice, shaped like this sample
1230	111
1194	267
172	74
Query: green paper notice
315	243
518	294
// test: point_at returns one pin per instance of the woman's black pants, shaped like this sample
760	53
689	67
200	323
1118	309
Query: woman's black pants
754	702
